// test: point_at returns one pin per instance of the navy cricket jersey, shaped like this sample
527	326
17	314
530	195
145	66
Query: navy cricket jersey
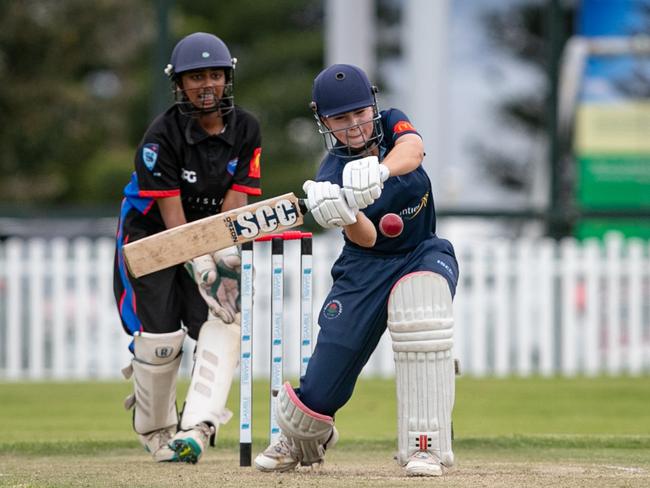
408	196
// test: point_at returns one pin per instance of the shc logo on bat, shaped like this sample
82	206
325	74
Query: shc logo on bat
263	219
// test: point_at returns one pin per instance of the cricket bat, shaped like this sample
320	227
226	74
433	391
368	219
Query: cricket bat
179	244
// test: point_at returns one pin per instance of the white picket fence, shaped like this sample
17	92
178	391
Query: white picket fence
523	307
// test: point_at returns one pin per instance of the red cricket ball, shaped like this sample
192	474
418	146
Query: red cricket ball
391	225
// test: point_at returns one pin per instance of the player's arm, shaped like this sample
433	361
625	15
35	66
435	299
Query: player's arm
363	179
362	232
234	199
171	210
406	155
218	274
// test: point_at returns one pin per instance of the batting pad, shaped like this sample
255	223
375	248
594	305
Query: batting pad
217	353
309	433
157	358
420	321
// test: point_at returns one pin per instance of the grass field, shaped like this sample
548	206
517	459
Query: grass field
508	432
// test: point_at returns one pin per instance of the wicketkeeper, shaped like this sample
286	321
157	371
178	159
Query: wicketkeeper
393	271
199	158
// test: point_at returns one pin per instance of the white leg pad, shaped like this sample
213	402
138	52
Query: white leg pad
217	353
420	321
309	433
157	358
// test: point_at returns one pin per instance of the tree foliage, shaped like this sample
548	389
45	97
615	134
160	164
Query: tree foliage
522	30
279	50
55	117
78	82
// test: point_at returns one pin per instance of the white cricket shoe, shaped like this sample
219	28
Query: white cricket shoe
423	463
278	457
189	445
156	442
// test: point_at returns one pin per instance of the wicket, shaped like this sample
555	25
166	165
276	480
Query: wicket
277	332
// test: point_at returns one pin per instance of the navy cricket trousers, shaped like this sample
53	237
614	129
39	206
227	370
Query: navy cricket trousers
354	315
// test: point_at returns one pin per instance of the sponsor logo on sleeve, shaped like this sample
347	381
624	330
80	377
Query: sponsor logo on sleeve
402	126
254	166
150	155
232	166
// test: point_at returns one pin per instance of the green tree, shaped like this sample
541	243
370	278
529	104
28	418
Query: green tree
78	80
64	70
279	49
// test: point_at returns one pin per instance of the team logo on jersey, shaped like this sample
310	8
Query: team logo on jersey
333	309
402	126
409	213
232	166
189	176
254	166
150	154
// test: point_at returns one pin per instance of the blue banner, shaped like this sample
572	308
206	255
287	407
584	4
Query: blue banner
613	17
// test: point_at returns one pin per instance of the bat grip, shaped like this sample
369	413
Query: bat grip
302	205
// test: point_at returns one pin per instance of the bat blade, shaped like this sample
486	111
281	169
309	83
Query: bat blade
179	244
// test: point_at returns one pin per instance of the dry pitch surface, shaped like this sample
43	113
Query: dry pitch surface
219	469
510	433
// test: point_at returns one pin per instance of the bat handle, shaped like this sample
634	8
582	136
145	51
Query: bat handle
302	205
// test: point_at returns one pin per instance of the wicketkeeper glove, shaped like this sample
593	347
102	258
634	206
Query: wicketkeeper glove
218	276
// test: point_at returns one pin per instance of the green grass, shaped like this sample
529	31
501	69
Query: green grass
522	415
581	406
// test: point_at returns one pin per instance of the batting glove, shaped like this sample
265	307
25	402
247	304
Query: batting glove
327	204
363	180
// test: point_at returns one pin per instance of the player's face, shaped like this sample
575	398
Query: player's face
204	88
352	129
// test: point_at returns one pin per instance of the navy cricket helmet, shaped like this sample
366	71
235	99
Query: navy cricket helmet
199	51
339	89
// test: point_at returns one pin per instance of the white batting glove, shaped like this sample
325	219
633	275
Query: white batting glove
218	277
327	204
363	180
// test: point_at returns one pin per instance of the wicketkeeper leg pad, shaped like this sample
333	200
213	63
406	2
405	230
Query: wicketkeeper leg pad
216	356
154	367
420	321
309	433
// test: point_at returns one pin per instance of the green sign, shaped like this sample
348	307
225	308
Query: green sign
612	149
599	227
614	181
